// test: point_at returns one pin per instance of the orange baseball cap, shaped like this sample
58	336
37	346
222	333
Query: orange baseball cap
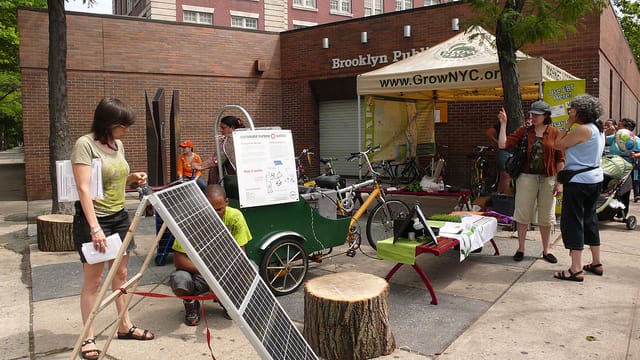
187	143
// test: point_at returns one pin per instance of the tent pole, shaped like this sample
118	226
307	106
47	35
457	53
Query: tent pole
359	125
541	90
359	138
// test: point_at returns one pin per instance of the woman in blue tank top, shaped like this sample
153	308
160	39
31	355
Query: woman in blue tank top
583	142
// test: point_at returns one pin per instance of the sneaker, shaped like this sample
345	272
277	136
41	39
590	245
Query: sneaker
225	313
192	312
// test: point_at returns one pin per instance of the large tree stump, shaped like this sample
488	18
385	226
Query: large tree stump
346	316
55	232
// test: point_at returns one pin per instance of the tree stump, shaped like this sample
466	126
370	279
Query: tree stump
346	316
55	232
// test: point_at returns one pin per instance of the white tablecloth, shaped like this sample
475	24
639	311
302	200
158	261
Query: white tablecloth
472	233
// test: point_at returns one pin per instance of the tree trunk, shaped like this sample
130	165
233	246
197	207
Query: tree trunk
346	316
506	47
55	232
59	146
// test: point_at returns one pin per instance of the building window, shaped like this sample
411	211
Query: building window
403	4
244	22
129	6
197	17
373	7
305	3
297	24
431	2
341	6
197	14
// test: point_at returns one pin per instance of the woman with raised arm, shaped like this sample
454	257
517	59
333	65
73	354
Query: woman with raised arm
536	186
95	219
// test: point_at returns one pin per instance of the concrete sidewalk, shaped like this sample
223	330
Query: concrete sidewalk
490	307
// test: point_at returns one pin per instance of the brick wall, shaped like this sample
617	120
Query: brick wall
211	67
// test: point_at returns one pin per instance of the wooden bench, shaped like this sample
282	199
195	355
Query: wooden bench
444	244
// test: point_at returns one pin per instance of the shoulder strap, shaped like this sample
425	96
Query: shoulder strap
575	172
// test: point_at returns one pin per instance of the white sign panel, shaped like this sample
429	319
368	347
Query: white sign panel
266	167
67	190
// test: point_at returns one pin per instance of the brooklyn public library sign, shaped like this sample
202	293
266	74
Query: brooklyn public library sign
373	60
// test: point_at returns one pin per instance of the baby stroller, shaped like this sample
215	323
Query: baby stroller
613	203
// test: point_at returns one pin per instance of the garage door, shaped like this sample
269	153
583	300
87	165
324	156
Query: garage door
339	134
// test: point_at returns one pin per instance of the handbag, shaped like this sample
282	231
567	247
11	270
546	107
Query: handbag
515	162
564	176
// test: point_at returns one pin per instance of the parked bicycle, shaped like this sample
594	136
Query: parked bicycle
381	218
301	170
407	172
328	165
437	167
482	180
384	170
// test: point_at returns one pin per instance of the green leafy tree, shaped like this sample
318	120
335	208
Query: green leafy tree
10	97
629	16
520	22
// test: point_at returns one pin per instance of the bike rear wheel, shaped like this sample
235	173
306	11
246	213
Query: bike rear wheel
380	221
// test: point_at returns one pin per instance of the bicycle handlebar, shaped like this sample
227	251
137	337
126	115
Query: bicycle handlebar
306	152
482	148
355	155
356	186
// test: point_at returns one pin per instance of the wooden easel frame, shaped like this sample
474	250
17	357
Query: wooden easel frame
103	301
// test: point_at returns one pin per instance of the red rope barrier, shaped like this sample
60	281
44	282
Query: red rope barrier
208	296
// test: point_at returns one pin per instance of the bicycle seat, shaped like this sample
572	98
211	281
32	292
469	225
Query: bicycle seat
327	160
305	189
328	181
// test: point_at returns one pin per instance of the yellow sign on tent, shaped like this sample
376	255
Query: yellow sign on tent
558	94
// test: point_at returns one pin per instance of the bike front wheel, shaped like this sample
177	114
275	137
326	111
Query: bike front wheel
476	183
380	221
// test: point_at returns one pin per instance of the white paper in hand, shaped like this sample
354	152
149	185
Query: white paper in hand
94	256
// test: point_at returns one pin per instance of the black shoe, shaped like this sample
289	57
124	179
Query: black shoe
518	256
550	258
478	250
192	312
226	315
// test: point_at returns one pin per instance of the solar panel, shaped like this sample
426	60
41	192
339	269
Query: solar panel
229	273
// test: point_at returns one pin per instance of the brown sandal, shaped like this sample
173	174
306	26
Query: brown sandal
85	353
594	269
131	335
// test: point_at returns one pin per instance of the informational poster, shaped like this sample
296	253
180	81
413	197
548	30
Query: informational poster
266	167
400	126
558	95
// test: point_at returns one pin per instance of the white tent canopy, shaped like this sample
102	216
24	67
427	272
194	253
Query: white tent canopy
463	68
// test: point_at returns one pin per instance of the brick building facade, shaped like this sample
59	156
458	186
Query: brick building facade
268	15
213	67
